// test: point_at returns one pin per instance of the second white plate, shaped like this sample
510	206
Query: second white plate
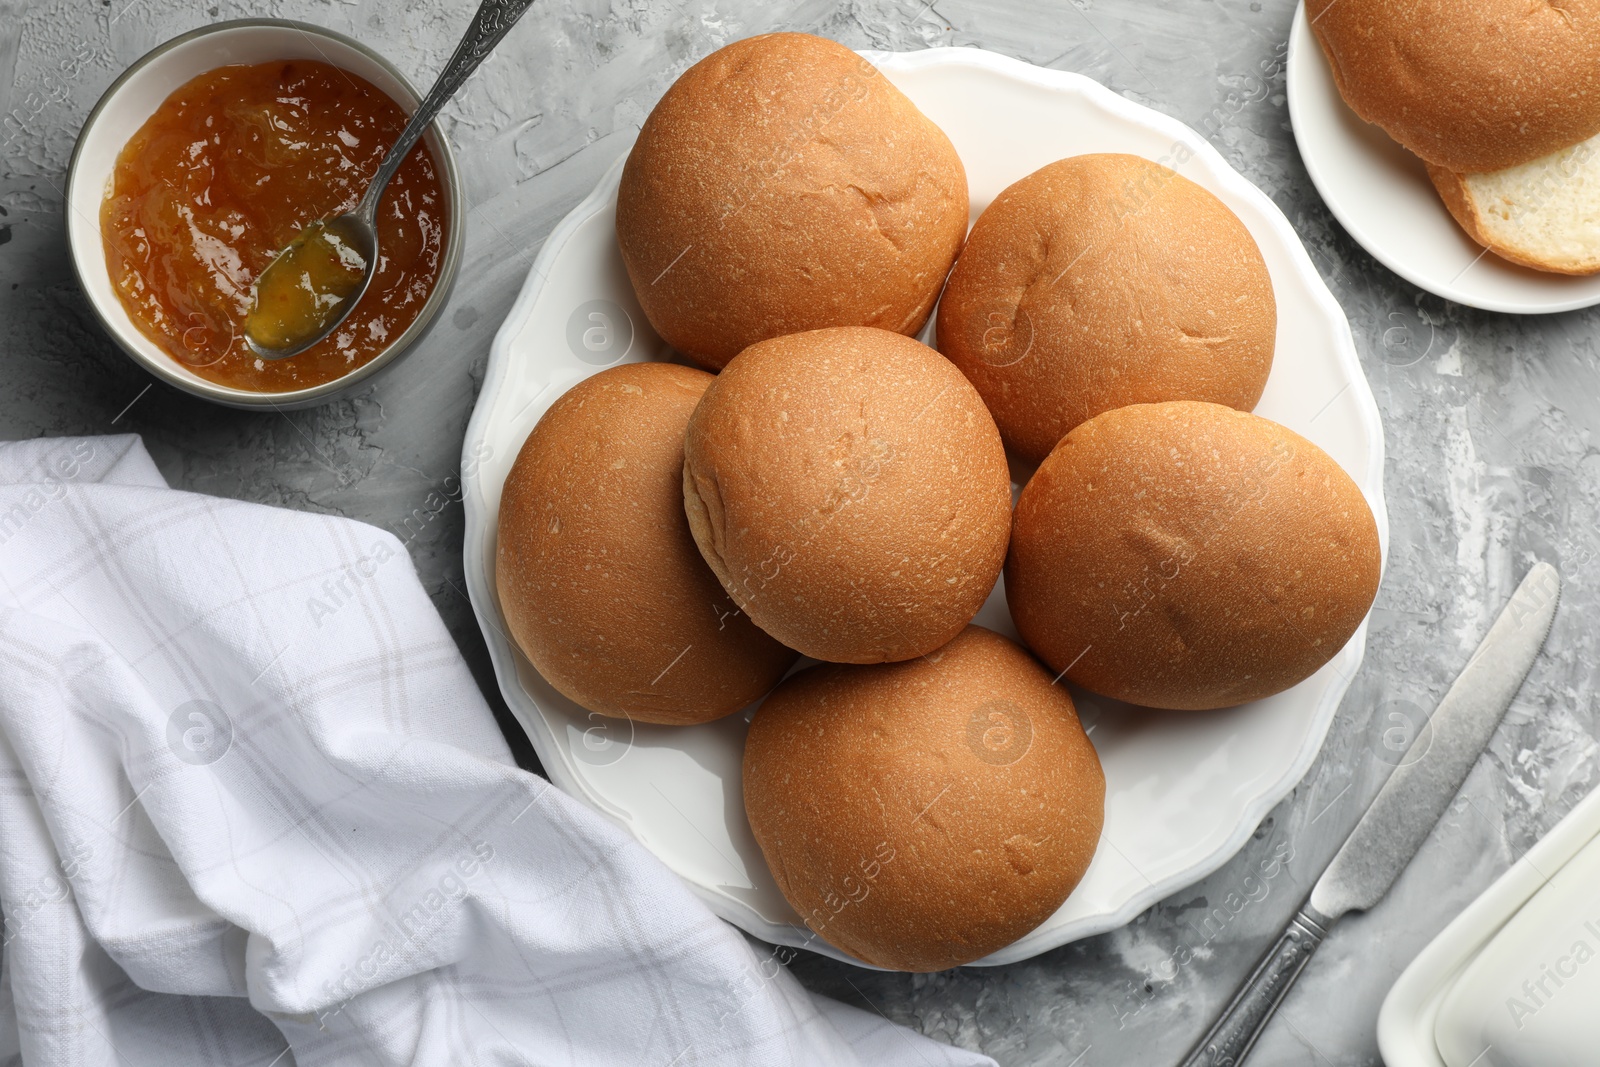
1184	790
1382	195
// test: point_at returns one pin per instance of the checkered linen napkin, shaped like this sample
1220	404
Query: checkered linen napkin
254	811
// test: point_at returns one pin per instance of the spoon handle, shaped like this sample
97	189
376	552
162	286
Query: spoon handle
492	22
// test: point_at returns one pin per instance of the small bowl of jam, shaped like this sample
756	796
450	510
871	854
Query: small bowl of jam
210	155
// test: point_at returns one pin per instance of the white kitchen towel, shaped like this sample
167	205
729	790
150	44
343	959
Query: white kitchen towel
253	810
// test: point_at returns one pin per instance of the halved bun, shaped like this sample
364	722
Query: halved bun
1468	85
1544	214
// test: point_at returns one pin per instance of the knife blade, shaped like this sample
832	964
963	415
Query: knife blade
1421	788
1401	817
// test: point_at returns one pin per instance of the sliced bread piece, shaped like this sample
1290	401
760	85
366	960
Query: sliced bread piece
1544	214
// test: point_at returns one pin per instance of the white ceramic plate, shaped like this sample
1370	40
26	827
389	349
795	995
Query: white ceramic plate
1382	195
1184	791
1411	1010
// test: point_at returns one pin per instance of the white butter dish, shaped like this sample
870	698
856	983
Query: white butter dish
1514	981
1529	999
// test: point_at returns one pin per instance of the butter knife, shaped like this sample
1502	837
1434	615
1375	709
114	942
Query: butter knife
1400	819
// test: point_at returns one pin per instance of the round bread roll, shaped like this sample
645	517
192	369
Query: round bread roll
1468	85
599	579
1186	555
1101	281
923	815
782	184
851	491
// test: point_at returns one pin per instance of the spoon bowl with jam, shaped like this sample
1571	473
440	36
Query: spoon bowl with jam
313	285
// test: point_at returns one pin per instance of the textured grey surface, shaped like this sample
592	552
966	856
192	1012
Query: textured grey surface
1488	419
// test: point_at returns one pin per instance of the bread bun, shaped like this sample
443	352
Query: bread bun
1468	85
851	491
1544	214
1101	281
923	815
599	579
1186	555
782	184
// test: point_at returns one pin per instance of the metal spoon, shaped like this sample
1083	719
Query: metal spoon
313	285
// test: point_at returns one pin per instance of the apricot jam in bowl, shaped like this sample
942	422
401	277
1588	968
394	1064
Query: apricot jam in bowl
213	153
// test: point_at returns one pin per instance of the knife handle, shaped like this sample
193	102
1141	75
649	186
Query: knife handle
1235	1033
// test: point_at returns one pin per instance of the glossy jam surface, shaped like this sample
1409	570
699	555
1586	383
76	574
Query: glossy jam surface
227	173
308	287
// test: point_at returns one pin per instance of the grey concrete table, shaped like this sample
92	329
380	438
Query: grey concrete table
1489	420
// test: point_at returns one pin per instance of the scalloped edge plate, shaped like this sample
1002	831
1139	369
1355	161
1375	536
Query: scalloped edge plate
1185	790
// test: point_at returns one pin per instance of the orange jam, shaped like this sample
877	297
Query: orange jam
226	174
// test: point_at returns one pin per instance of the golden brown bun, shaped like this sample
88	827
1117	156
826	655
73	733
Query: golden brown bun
1186	555
923	815
851	492
599	579
1101	281
782	184
1468	85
